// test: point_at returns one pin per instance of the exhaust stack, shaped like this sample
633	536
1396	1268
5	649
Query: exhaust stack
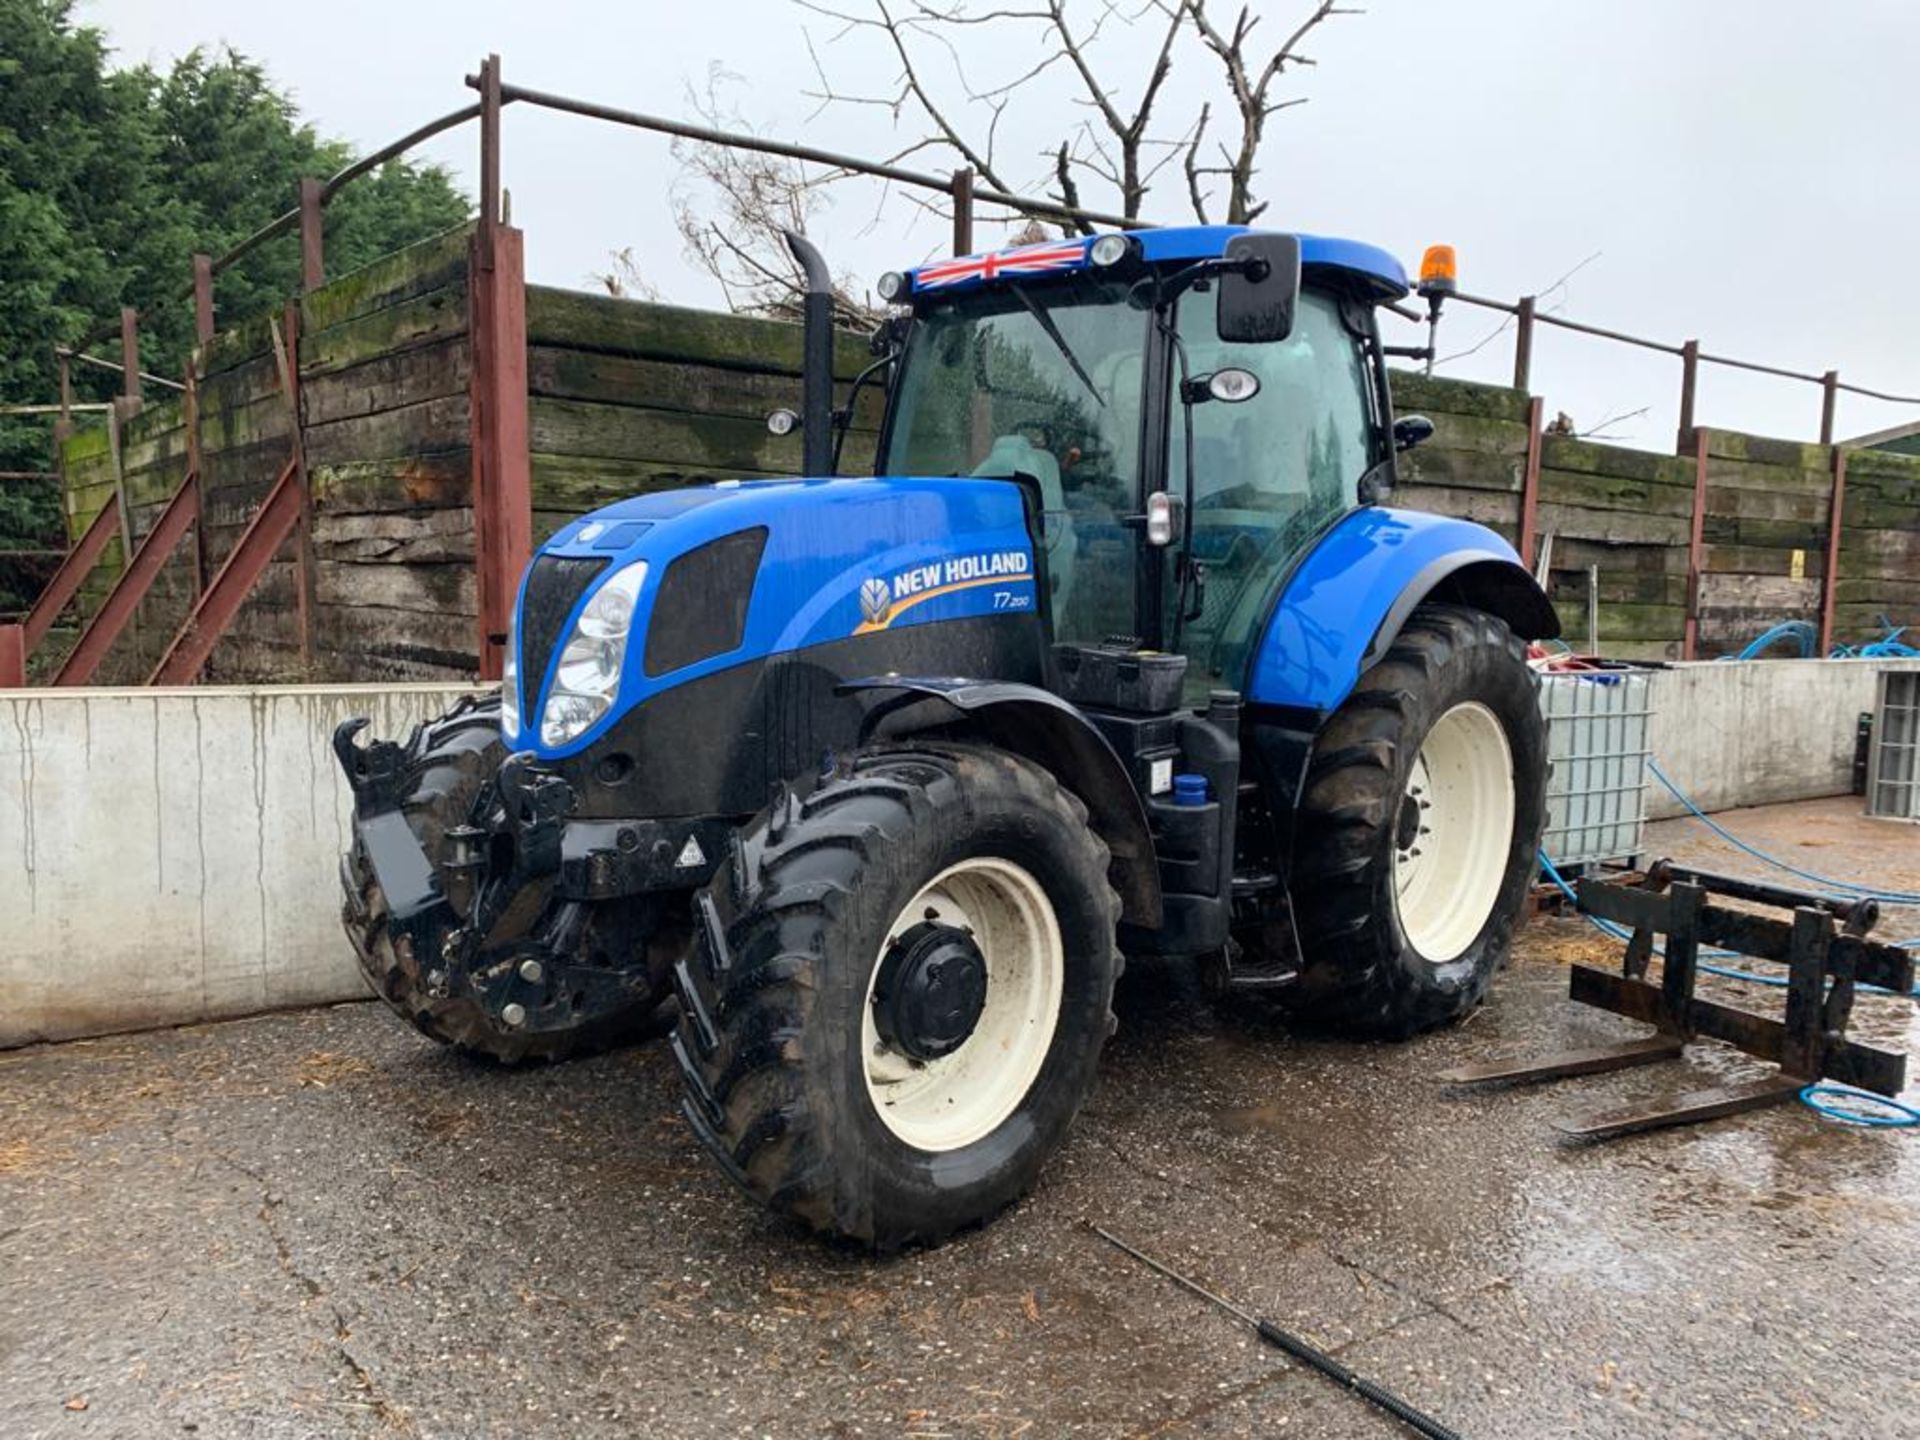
816	350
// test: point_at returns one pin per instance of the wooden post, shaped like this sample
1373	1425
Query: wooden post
1530	479
1696	545
63	427
962	188
130	353
1830	579
202	298
1689	386
313	265
286	355
502	460
1523	343
13	657
1829	404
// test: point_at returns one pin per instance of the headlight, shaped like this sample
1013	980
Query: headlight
588	675
510	685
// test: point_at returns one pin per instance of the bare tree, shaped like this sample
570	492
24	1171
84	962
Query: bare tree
731	207
1119	144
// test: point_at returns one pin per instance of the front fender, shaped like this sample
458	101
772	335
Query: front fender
1038	725
1354	590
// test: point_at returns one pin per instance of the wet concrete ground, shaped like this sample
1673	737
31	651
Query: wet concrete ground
319	1224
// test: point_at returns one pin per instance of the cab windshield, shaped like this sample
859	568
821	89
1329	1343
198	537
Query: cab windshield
1047	383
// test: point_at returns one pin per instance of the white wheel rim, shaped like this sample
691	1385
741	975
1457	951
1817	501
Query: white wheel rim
957	1099
1447	876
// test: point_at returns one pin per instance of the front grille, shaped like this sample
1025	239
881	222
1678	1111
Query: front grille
553	586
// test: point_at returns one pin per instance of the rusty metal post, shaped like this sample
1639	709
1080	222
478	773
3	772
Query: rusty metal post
501	444
202	299
190	413
1696	544
1530	479
1523	343
130	353
1689	388
962	188
313	251
489	198
13	657
1829	404
1830	579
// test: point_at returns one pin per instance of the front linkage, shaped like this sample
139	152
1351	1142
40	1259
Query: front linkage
485	914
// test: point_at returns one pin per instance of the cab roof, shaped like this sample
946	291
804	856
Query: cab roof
1170	245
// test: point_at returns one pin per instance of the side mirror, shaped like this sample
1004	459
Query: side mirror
1411	430
1258	296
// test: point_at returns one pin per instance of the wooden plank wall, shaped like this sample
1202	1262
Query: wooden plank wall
1629	512
383	397
628	398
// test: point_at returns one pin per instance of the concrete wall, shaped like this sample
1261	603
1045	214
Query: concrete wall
1755	733
172	855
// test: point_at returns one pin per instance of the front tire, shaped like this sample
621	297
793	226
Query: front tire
1418	828
899	993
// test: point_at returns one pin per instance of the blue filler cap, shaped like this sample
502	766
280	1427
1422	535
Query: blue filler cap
1189	789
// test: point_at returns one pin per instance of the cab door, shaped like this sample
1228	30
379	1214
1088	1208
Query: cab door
1270	474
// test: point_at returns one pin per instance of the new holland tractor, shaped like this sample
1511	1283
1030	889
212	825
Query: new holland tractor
876	780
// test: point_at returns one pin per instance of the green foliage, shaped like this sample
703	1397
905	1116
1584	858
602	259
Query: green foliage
110	180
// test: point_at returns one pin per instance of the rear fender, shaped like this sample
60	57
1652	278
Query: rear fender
1039	726
1350	596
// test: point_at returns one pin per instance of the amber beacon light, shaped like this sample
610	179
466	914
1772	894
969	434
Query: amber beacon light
1439	271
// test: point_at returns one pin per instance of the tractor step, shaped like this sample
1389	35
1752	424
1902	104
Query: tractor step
1255	882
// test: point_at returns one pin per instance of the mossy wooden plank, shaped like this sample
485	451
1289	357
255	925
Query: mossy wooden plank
410	537
580	321
1754	530
1893	553
1437	395
1484	506
1865	511
402	482
1590	457
424	319
1640	587
713	442
1773	479
1478	435
238	343
446	589
1745	504
1644	559
1881	591
1762	560
1877	463
387	382
572	484
1765	450
88	442
1621	621
156	417
673	385
426	427
436	263
1595	491
1857	624
1443	465
1615	527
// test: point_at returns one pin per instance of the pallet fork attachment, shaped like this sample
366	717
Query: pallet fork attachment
1827	954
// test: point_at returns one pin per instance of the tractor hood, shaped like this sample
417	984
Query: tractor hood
740	570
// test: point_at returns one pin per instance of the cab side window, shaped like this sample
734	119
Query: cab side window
1269	473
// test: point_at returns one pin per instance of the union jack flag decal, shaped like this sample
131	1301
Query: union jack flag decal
1026	260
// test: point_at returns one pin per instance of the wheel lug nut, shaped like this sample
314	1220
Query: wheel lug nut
532	971
514	1014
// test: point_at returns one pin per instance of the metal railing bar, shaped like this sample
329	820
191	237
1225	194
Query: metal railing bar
397	148
853	164
119	369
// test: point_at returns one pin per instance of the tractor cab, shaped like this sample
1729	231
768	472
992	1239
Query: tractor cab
1194	408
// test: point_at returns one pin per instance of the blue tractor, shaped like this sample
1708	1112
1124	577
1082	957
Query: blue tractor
1118	652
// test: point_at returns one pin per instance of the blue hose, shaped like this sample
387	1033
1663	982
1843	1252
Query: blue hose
1804	637
1891	897
1894	1115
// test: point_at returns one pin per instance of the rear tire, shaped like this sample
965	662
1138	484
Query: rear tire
1418	827
802	1077
450	762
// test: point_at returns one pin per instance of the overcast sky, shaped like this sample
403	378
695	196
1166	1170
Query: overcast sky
1737	170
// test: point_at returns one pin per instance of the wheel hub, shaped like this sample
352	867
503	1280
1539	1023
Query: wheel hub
931	991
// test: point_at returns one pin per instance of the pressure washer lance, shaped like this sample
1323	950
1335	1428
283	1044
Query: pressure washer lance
1296	1347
